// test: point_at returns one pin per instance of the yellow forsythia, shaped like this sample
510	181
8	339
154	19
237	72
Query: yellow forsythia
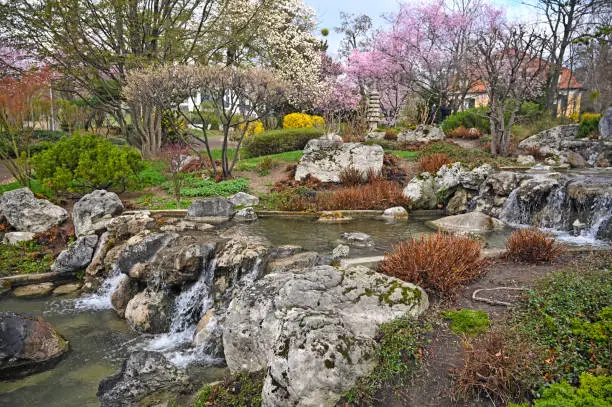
254	128
297	121
318	122
589	116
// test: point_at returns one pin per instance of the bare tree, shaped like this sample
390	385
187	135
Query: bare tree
511	69
355	29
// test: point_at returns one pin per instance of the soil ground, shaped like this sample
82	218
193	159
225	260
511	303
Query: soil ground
443	355
5	175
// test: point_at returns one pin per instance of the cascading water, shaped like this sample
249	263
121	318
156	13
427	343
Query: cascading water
101	299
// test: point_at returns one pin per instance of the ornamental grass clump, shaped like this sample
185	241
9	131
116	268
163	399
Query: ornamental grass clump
439	262
431	163
531	245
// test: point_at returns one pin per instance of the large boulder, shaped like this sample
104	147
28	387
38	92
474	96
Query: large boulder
243	199
140	249
77	256
26	213
605	124
93	212
421	134
325	160
313	330
149	312
471	222
549	141
143	374
297	261
124	226
502	183
126	289
211	207
449	177
17	237
421	191
474	179
239	261
28	344
458	202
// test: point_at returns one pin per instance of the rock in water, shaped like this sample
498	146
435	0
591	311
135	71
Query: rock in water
26	213
421	191
525	160
325	160
472	222
313	330
77	256
28	344
211	207
245	215
143	374
395	213
149	312
93	212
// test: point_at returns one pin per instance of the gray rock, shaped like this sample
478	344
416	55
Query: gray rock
28	344
422	134
375	135
449	177
357	239
17	237
576	160
458	203
240	261
96	266
395	212
26	213
66	289
140	249
535	190
549	141
77	256
341	251
321	320
33	290
421	191
525	160
325	160
211	207
149	312
93	212
502	183
471	222
245	215
124	226
126	289
143	374
474	179
243	199
297	261
331	137
605	124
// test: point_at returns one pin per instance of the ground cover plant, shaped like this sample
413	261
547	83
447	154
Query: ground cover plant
243	389
23	258
531	245
467	321
560	330
279	141
194	186
471	157
439	262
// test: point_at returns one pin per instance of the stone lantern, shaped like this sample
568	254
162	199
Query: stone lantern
373	113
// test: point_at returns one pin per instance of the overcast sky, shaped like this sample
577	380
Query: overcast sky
328	13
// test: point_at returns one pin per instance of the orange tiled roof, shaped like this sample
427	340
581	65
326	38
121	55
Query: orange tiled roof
567	80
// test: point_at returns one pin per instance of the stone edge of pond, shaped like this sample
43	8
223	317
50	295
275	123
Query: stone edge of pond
180	213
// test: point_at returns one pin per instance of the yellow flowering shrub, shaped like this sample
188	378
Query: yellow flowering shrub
254	128
297	121
318	122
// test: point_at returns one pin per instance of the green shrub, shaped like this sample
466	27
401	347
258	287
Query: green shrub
530	112
467	321
594	391
469	118
197	187
151	174
84	162
48	135
589	125
279	141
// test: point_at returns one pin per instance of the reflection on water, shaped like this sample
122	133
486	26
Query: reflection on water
99	342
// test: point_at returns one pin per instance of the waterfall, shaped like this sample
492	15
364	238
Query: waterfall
601	213
101	299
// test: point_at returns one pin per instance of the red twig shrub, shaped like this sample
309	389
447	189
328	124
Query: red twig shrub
378	194
536	153
498	364
462	132
351	177
531	245
439	262
391	135
433	162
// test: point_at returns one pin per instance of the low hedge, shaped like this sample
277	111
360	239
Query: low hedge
279	141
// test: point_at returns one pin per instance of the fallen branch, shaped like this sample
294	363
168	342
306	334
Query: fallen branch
494	302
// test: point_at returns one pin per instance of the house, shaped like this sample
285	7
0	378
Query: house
568	102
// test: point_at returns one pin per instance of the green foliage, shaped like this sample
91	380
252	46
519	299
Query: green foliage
255	163
535	123
589	125
26	257
399	343
84	162
470	157
198	187
48	135
408	155
594	391
35	187
530	112
151	174
152	202
241	390
469	118
279	141
467	321
569	316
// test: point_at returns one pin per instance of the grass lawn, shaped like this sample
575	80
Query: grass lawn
407	155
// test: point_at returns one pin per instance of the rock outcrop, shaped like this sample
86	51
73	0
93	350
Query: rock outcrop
313	330
243	199
26	213
421	134
325	160
76	256
605	124
149	312
211	207
92	213
142	375
28	344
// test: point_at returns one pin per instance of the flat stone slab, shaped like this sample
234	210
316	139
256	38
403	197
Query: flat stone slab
33	290
471	222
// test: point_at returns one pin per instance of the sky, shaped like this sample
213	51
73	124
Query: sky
328	13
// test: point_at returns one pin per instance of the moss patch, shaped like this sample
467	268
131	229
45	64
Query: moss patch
467	321
241	390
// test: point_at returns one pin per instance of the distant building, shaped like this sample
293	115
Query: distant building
568	102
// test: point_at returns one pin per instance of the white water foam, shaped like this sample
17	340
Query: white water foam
101	299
